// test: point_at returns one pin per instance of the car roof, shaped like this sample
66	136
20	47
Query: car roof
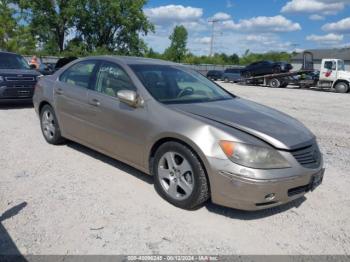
133	60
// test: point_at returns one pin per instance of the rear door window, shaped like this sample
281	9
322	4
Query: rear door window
80	74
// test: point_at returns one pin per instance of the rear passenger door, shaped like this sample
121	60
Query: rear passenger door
259	68
266	68
71	103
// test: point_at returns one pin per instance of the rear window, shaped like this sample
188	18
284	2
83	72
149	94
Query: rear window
12	61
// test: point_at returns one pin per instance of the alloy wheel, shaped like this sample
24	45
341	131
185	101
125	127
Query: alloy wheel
48	124
175	175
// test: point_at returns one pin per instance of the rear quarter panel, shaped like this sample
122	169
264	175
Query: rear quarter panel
44	92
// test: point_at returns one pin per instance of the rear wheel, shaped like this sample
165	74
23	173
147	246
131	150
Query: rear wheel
275	83
49	126
180	177
284	84
342	87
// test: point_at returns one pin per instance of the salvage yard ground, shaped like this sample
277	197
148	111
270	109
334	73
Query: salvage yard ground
71	200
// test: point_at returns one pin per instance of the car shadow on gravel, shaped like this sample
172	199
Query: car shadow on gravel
15	105
254	215
8	249
220	210
111	161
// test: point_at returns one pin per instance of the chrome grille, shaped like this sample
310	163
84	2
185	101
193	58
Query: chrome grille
309	157
20	78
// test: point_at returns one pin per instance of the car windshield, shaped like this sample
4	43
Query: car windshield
173	84
12	61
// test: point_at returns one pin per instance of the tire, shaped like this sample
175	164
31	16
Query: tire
284	84
183	184
341	87
276	70
49	126
275	83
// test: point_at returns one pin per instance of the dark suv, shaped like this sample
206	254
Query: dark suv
265	68
232	75
214	74
17	79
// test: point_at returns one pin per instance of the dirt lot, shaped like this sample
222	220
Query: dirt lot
72	200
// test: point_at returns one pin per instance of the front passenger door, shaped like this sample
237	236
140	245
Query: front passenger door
119	127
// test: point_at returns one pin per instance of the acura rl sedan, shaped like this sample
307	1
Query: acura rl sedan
199	141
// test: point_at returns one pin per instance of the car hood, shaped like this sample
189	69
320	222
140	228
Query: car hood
11	72
267	124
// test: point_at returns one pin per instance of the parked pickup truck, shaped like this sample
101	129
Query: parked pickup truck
17	78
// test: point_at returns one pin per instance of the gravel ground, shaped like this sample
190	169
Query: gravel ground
71	200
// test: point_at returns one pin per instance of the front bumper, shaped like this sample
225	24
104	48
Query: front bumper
21	92
236	191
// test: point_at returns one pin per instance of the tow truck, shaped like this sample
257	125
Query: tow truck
332	76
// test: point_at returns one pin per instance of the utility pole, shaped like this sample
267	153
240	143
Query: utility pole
213	22
294	45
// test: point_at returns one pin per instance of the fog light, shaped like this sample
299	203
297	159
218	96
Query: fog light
270	197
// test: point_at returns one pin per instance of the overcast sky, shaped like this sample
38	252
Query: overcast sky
258	25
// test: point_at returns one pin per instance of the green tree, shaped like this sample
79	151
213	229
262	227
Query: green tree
249	58
113	25
153	54
177	49
234	59
50	20
14	36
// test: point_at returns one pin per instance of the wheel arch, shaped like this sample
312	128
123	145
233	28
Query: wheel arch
42	104
339	81
181	140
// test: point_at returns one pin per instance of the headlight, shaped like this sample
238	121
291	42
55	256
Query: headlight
253	156
1	79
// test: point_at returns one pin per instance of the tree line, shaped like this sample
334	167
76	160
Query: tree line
95	27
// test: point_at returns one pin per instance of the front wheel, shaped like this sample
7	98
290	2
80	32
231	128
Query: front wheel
180	177
275	83
49	126
342	87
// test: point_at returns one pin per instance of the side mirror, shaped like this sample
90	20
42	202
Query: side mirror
130	97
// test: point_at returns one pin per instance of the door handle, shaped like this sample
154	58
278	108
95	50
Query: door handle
94	102
59	91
